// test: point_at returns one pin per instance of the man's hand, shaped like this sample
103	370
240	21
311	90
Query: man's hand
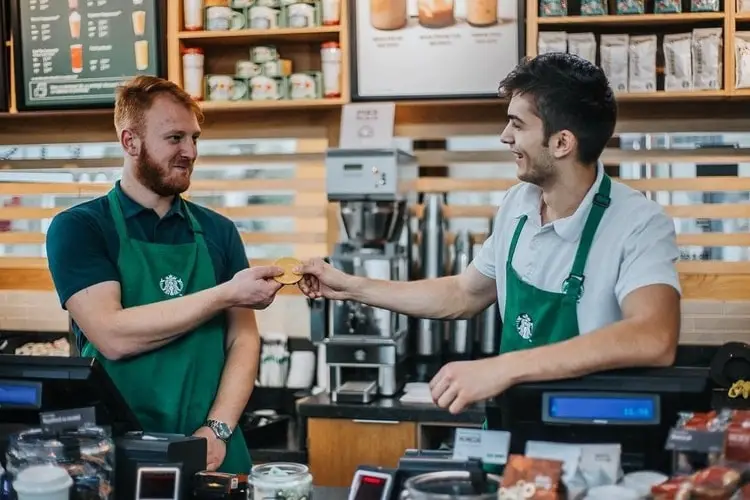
217	449
462	383
254	287
321	279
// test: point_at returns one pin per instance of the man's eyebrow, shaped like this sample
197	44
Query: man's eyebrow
181	132
514	118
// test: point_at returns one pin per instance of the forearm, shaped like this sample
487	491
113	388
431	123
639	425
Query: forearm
438	298
140	329
237	380
626	344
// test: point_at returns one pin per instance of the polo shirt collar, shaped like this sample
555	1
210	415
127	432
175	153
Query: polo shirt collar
569	228
131	208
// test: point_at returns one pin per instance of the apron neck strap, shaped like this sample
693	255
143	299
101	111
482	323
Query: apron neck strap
573	285
117	215
514	242
194	224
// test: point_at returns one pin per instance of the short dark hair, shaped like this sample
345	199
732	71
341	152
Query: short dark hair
569	93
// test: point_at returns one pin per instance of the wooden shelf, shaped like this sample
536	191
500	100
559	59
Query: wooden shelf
634	19
662	95
250	36
742	16
281	104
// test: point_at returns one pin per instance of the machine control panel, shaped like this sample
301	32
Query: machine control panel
604	408
368	173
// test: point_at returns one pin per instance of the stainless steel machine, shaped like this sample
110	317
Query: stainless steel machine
366	347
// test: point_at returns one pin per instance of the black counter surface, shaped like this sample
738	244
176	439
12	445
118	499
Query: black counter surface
329	493
321	406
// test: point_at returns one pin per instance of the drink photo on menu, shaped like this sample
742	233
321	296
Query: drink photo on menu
73	54
402	47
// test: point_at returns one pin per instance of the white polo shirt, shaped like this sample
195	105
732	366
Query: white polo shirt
634	246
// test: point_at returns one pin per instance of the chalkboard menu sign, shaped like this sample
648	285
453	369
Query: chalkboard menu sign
4	57
74	53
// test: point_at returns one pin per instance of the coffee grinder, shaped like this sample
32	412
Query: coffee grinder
366	348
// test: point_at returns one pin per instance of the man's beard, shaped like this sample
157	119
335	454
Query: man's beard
541	170
158	178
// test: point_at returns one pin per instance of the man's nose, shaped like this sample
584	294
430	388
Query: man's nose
506	137
190	150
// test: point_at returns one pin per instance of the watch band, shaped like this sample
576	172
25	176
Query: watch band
221	430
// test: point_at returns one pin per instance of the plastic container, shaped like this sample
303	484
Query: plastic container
87	454
192	72
43	482
330	56
280	480
451	485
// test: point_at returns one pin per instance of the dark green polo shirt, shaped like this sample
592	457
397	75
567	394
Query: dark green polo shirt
83	245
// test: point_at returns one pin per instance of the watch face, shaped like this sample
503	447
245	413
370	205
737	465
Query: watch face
222	430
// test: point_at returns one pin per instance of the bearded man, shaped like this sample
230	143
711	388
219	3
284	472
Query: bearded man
159	288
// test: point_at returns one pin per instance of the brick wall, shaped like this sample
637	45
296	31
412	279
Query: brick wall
703	321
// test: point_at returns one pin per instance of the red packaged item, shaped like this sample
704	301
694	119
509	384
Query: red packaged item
677	488
531	479
715	483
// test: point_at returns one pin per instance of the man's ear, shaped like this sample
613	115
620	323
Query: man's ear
130	142
562	144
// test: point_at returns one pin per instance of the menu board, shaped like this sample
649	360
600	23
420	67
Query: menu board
4	57
74	53
411	49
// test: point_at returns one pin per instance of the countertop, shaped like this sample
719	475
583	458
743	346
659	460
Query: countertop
321	406
329	493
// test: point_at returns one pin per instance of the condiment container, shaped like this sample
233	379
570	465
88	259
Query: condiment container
451	485
43	482
192	13
192	72
331	12
330	56
281	481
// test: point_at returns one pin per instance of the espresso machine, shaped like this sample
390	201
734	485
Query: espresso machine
366	348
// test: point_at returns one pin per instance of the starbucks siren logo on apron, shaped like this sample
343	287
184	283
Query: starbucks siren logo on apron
171	285
525	326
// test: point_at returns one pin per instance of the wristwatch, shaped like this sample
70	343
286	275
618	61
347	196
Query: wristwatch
219	428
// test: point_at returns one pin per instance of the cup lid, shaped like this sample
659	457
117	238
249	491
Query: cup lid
42	479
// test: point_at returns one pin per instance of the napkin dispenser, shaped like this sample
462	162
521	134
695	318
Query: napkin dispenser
139	451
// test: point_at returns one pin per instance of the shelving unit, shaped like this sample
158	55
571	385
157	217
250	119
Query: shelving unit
727	18
223	49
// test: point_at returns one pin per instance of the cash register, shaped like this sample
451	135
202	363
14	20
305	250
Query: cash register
65	390
635	408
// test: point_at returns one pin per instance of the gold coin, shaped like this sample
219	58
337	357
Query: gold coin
288	264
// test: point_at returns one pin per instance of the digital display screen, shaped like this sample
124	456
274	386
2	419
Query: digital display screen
370	488
20	395
594	408
157	485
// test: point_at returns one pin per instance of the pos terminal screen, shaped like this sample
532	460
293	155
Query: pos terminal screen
370	486
157	484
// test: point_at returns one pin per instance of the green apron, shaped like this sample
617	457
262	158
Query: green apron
171	389
534	317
